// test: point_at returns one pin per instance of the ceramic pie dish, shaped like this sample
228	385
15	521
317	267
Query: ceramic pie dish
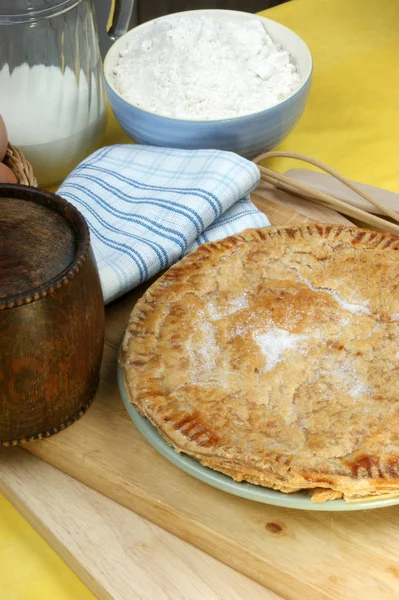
255	493
272	357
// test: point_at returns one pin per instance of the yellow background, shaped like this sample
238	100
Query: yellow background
351	122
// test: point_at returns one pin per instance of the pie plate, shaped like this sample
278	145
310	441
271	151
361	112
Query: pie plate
298	500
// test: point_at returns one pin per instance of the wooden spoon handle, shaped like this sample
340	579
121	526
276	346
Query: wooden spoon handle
291	185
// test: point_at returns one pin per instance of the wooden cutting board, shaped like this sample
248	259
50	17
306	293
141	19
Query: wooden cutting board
296	554
115	552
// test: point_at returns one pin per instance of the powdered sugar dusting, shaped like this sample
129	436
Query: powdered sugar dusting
206	352
348	376
274	343
202	349
234	306
358	389
351	307
356	309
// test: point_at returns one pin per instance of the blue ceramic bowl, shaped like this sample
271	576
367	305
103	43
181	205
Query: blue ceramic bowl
248	135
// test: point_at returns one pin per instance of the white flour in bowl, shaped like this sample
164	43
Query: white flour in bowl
201	67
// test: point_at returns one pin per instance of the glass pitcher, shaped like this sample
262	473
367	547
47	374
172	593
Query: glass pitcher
51	88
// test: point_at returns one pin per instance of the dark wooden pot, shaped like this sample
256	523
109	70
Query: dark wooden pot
51	315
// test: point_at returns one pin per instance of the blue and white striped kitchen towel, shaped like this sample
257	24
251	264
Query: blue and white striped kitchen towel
147	207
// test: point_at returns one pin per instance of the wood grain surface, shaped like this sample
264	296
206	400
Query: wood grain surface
51	315
324	183
296	554
115	552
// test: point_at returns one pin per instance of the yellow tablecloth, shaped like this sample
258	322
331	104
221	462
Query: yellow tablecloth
351	122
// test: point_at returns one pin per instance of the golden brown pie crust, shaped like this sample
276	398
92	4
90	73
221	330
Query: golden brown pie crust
273	356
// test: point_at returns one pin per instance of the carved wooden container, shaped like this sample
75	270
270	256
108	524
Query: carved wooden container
51	315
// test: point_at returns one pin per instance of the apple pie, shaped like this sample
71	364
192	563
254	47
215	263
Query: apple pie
273	357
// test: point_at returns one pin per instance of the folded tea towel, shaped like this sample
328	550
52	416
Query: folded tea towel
147	207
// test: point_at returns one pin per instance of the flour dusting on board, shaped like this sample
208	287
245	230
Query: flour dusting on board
204	67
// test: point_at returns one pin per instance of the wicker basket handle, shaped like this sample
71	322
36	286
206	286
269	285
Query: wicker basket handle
22	169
